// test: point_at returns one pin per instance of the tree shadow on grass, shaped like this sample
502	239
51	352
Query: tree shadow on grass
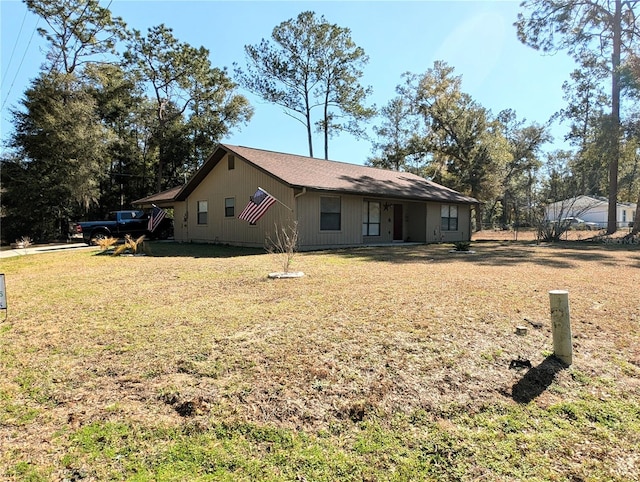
537	380
493	253
199	250
556	255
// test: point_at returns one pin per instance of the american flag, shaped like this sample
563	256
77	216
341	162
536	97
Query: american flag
157	215
257	206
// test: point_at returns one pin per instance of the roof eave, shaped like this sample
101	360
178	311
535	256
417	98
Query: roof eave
201	173
461	200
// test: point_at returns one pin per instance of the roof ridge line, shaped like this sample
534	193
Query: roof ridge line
231	146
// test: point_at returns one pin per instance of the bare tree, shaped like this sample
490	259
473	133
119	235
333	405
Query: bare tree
283	244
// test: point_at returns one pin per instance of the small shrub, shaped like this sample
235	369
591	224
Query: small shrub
106	243
131	245
134	245
462	246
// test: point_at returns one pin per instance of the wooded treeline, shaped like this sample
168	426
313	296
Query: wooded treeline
117	114
98	129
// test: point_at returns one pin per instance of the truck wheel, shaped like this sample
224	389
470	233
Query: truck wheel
164	233
98	235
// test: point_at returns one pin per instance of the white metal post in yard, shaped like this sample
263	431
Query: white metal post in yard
3	296
561	326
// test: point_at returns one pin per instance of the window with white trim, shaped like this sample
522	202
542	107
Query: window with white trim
229	207
330	213
203	211
371	218
449	217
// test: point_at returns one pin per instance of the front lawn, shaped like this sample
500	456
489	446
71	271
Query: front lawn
379	364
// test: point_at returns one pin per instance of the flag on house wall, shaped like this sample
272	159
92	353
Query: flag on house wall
157	215
257	206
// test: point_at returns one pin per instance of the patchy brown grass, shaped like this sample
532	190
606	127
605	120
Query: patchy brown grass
366	334
529	234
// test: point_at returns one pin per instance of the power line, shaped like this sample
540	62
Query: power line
20	66
15	44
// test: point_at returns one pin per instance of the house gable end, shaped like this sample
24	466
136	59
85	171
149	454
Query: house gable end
219	154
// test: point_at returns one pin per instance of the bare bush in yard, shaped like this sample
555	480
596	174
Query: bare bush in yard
24	242
550	230
552	223
284	244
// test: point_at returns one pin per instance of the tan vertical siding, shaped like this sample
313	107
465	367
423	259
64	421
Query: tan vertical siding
435	235
311	236
239	183
180	222
464	222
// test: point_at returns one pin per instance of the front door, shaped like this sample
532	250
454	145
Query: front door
397	222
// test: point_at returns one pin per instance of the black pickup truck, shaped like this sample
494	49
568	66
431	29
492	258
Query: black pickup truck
119	223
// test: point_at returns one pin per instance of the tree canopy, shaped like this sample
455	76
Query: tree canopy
184	83
588	29
78	30
99	129
435	129
308	64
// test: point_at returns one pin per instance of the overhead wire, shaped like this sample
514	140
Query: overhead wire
15	45
35	29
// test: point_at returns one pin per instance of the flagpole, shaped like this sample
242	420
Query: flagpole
275	199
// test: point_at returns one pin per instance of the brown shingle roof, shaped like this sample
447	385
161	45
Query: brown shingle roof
322	175
164	196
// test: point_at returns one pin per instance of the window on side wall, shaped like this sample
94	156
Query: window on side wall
231	162
449	217
371	218
229	207
203	211
330	215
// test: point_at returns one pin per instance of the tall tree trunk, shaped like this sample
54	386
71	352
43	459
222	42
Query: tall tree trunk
612	222
326	125
636	219
308	120
162	125
161	154
309	137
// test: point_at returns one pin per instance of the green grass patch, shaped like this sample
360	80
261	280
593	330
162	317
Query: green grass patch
499	442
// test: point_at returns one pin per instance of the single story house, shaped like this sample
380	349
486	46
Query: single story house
335	204
593	209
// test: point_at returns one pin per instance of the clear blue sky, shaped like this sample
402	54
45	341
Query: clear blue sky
477	38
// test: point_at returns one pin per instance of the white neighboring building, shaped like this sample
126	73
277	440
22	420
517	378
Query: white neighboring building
592	209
